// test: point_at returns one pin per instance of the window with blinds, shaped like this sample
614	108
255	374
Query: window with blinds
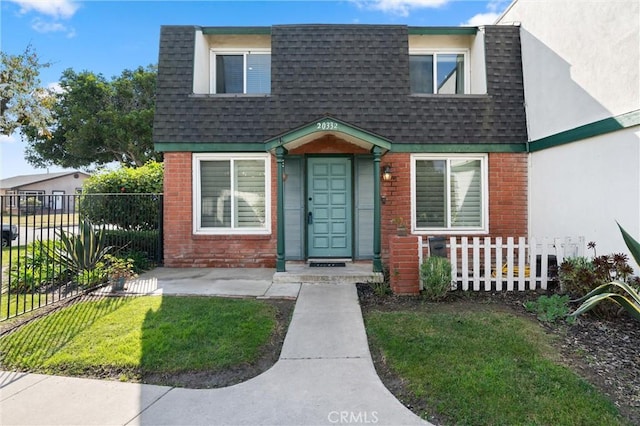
231	193
449	193
244	72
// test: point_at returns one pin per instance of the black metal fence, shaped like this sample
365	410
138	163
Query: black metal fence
42	235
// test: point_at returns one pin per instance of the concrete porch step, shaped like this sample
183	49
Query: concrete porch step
350	274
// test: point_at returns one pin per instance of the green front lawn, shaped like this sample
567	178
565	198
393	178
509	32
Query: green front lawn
484	368
12	304
135	336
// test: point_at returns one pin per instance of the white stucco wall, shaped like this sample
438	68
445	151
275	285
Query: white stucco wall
583	188
201	61
581	60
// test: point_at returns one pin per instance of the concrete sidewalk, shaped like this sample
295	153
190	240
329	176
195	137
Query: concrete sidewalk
324	376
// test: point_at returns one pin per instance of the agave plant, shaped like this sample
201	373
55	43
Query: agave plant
630	297
630	301
82	251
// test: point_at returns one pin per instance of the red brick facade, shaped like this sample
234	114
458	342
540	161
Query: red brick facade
507	211
507	195
404	268
184	249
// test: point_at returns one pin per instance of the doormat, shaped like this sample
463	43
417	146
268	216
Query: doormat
327	264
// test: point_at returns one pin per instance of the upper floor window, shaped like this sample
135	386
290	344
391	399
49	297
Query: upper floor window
241	72
438	72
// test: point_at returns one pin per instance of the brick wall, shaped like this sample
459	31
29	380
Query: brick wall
508	213
403	264
508	196
183	249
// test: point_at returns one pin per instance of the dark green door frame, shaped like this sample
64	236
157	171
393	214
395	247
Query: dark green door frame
280	258
377	221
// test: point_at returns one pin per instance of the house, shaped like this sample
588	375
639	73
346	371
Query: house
297	142
581	62
44	190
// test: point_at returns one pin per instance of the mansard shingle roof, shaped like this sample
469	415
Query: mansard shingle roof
356	73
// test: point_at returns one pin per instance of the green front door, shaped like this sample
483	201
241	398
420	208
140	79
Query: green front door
329	218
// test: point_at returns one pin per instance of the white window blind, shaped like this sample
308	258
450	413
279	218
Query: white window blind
232	194
449	193
258	73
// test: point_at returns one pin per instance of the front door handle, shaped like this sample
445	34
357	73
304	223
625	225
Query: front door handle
309	218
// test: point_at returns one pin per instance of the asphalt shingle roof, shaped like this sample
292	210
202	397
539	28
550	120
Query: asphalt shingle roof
356	73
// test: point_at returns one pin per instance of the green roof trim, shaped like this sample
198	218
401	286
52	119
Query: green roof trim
209	147
590	130
236	30
397	147
452	148
328	124
443	30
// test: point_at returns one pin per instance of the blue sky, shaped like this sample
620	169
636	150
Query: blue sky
107	37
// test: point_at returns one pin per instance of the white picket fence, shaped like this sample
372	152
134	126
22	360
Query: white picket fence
515	264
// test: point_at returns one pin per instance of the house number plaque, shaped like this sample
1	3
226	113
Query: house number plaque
327	125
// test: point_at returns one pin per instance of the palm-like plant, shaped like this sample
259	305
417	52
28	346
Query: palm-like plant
629	300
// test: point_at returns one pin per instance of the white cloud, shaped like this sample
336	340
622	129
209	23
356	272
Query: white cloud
12	138
54	87
494	10
47	27
482	19
52	12
399	7
43	26
54	8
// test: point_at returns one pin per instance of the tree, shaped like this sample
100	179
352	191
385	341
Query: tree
22	102
99	121
103	201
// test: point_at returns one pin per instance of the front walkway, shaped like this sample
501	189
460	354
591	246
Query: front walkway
325	375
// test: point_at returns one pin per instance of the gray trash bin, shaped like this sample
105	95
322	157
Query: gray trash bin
438	246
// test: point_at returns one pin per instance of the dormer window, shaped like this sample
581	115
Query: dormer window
438	73
246	72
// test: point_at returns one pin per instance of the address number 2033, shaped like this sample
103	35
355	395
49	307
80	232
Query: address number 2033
327	125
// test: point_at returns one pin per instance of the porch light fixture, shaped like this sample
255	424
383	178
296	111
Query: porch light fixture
386	173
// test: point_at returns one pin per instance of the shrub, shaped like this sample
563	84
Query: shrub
140	261
34	269
435	274
102	201
578	276
94	277
135	244
620	293
550	309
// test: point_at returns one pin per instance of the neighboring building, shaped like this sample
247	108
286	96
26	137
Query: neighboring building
581	62
275	139
45	190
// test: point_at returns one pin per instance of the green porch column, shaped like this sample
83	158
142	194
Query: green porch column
280	262
377	243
